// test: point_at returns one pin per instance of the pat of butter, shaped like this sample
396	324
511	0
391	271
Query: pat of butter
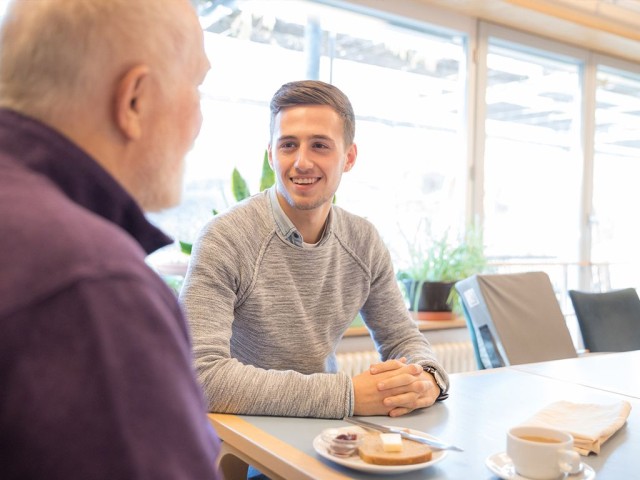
391	442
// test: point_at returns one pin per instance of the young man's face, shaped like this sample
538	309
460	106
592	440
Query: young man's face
308	154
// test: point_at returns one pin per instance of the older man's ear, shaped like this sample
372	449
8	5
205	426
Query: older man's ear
132	93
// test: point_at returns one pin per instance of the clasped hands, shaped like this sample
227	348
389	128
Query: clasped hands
393	388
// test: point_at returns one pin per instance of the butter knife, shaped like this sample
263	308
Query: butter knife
409	436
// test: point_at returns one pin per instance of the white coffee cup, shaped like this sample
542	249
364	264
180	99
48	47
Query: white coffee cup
542	453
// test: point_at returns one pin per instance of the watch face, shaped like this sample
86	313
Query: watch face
436	376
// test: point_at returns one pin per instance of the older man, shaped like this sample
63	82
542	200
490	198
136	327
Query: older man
99	104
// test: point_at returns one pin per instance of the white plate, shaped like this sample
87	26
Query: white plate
502	466
357	463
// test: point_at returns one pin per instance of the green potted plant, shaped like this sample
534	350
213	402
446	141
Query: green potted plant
435	264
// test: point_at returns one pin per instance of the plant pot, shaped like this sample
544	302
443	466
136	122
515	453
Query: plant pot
432	296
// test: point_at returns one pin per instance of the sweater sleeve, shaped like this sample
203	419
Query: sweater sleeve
393	330
220	277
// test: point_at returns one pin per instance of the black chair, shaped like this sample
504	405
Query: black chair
609	321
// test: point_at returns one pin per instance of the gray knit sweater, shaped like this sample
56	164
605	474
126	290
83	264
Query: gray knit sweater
266	315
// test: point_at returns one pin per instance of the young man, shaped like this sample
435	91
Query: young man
99	104
274	283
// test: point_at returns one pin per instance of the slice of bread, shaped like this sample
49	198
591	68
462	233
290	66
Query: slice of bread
371	451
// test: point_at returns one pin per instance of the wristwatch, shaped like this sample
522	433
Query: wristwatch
439	381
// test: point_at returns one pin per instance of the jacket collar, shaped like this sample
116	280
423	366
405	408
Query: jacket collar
46	152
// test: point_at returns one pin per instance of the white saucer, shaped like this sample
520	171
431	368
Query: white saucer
501	465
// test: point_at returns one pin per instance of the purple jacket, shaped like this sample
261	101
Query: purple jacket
96	377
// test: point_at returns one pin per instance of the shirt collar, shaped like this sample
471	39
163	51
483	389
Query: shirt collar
46	152
286	226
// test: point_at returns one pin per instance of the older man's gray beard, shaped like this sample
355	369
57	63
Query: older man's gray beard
160	188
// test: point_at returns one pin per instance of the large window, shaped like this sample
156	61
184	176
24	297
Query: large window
532	155
613	220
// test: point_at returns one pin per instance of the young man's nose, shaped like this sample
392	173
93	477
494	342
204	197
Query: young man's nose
303	161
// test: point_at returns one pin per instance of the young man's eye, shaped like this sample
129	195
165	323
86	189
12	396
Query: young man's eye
287	145
320	146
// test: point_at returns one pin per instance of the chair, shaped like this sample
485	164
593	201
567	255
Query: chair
609	321
514	319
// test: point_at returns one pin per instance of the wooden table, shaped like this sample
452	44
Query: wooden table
482	406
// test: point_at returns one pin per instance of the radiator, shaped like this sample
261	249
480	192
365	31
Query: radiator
455	357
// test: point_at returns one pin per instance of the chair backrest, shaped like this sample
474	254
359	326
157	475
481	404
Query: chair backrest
609	321
515	318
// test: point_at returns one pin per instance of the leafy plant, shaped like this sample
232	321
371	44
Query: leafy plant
268	177
240	191
441	259
444	259
239	187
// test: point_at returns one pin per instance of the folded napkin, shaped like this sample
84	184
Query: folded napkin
590	424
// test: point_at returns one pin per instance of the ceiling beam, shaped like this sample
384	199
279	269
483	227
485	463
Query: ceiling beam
612	30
